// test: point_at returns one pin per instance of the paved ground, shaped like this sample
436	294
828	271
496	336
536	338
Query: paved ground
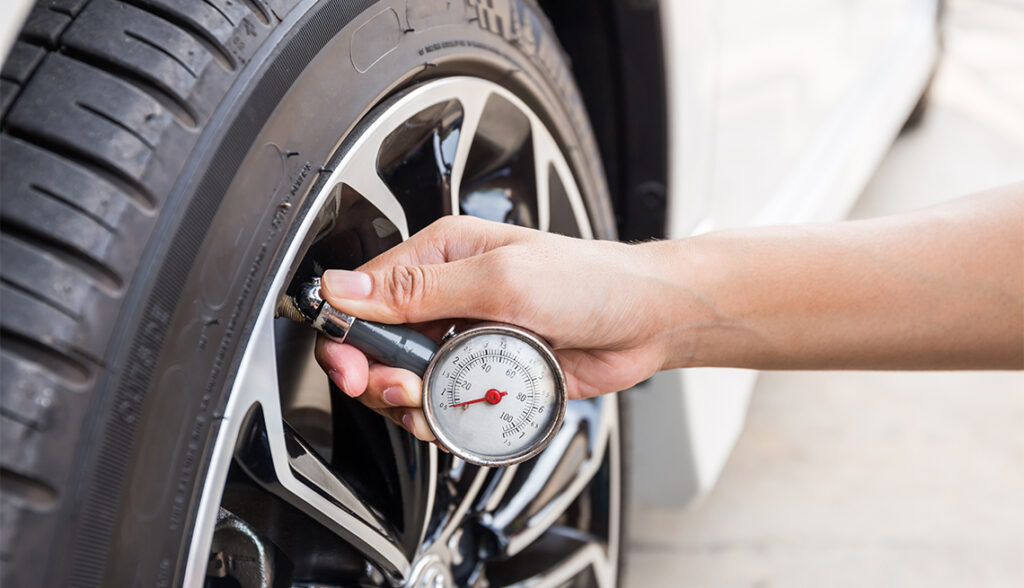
880	479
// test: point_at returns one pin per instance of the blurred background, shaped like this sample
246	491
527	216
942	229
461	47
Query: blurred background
874	479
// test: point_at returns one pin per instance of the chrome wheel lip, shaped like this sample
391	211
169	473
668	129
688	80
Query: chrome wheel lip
357	169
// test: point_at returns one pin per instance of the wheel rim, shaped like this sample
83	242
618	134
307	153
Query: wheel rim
404	513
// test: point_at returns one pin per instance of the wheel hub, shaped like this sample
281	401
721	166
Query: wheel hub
430	571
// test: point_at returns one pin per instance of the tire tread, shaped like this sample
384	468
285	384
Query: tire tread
101	101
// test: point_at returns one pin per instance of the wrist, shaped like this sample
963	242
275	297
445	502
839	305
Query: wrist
671	305
695	322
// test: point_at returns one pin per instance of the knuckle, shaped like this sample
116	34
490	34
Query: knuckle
449	228
443	227
501	271
445	224
406	285
503	268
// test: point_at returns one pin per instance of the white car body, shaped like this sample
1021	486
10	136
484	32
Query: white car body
779	113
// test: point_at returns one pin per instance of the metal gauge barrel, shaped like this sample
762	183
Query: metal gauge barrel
494	394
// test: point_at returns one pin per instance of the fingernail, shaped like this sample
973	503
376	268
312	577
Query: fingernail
407	422
339	380
346	284
393	396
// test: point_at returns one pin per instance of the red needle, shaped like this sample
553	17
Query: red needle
492	397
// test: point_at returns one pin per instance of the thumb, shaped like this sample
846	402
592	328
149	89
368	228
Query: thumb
419	293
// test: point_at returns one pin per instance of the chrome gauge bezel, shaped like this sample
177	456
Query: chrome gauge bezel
560	396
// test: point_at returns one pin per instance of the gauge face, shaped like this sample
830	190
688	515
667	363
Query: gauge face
494	395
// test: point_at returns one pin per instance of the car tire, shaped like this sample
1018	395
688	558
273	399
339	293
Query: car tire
158	159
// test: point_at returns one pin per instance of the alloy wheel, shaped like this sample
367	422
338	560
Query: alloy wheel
305	485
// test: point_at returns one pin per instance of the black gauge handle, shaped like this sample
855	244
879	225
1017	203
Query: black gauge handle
395	346
388	344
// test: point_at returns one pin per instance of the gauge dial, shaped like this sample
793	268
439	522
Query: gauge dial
494	395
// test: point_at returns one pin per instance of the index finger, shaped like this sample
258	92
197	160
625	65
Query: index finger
449	238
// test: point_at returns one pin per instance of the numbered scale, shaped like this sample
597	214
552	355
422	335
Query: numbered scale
493	395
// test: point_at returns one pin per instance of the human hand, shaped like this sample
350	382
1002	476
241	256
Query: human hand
593	301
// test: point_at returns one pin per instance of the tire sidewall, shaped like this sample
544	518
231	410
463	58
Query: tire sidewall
196	319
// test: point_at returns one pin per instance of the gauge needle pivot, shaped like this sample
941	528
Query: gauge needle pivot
492	396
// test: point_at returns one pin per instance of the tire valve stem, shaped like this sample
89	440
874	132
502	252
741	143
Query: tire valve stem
287	308
309	308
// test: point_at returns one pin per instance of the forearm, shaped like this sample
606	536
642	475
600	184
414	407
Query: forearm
937	288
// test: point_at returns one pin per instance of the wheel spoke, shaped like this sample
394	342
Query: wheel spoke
497	489
257	379
417	484
555	478
360	174
544	151
472	110
550	165
457	511
585	553
281	462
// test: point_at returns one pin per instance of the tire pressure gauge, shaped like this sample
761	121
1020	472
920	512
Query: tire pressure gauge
493	395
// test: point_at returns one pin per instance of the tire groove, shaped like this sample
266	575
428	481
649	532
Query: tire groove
43	299
258	11
128	185
32	74
104	276
119	124
60	10
218	50
13	100
158	48
7	414
74	205
67	368
40	495
181	110
221	12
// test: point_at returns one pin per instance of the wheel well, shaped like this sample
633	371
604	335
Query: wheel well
616	51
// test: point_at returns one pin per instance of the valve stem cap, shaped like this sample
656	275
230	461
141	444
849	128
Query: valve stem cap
305	306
